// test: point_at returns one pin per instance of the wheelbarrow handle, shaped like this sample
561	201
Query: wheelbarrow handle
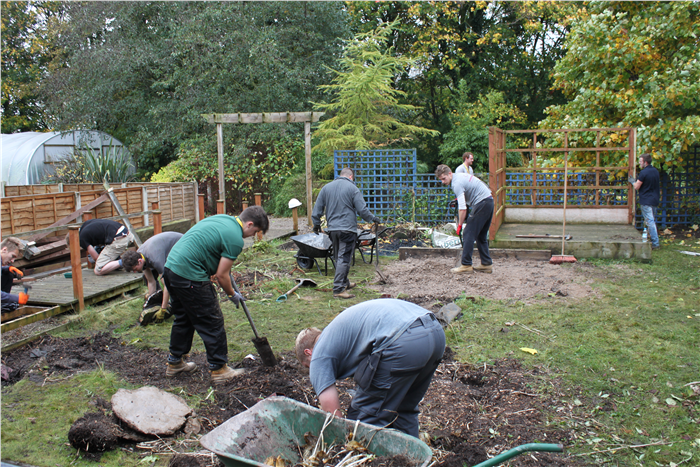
504	456
245	308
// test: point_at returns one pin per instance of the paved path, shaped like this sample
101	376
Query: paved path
282	227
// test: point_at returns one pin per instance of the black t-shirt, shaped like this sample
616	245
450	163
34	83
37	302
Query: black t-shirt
649	191
98	232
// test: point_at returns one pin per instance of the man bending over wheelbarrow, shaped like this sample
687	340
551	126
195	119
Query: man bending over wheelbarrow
392	348
343	202
209	248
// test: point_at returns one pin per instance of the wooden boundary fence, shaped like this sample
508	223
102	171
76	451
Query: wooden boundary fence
34	207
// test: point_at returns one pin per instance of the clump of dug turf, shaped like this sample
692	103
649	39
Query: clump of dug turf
94	432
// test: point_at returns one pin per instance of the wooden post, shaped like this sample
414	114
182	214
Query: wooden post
258	199
244	203
157	221
220	207
222	176
307	150
76	269
144	206
200	199
155	206
87	215
632	161
295	219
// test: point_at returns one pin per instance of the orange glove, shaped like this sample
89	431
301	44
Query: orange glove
23	297
459	229
16	272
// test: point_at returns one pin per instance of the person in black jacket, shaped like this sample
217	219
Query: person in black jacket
110	238
342	202
647	185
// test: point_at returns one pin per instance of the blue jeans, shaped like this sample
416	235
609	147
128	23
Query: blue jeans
649	214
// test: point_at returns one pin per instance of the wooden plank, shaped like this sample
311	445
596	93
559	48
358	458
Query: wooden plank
66	220
21	311
269	117
121	212
39	316
569	130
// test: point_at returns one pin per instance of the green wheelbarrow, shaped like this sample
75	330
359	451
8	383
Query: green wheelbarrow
276	427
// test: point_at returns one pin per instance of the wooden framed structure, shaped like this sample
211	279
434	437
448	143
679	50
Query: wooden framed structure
272	117
25	208
534	193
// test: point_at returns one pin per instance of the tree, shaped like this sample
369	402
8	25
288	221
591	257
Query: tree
633	64
365	109
146	71
27	49
507	47
470	128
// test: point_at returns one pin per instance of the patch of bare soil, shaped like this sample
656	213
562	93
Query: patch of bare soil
425	281
469	413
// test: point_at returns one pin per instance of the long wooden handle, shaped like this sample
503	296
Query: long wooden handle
563	231
245	308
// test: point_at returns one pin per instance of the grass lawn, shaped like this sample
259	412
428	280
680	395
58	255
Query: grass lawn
622	361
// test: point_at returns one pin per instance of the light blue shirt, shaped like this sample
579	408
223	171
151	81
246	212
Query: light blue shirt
357	332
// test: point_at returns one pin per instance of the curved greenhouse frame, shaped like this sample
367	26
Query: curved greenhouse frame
28	158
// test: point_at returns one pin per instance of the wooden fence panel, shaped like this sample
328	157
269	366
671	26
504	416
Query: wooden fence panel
20	214
24	190
27	213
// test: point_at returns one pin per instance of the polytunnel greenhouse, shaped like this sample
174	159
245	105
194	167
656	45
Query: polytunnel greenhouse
28	158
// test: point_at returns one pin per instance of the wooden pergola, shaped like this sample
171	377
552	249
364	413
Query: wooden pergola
272	117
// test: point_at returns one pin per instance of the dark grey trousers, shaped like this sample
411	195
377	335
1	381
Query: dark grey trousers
343	248
401	379
477	228
195	306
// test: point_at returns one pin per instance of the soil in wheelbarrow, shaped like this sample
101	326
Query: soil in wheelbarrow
469	413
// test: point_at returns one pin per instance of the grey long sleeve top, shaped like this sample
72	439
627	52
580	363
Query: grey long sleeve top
342	202
473	190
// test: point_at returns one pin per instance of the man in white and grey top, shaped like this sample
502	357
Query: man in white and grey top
466	166
342	202
470	191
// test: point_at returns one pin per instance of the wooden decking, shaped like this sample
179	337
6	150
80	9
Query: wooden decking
58	290
55	293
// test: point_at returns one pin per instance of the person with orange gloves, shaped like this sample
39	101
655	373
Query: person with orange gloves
9	251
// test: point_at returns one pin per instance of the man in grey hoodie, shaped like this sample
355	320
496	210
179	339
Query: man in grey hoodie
342	202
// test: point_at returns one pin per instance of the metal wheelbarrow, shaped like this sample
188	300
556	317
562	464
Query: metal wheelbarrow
311	247
276	426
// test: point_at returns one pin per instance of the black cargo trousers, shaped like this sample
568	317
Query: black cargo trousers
195	306
390	384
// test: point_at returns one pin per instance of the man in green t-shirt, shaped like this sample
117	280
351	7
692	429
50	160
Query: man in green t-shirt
207	249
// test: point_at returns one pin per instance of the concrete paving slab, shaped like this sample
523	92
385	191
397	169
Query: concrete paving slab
151	410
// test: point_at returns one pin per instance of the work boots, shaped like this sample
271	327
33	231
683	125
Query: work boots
179	367
225	374
343	294
484	268
462	269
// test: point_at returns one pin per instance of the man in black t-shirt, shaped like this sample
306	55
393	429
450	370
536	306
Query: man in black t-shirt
111	237
647	185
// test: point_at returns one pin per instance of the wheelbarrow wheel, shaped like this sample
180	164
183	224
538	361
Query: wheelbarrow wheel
305	263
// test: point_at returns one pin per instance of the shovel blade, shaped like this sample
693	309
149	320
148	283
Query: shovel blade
265	351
